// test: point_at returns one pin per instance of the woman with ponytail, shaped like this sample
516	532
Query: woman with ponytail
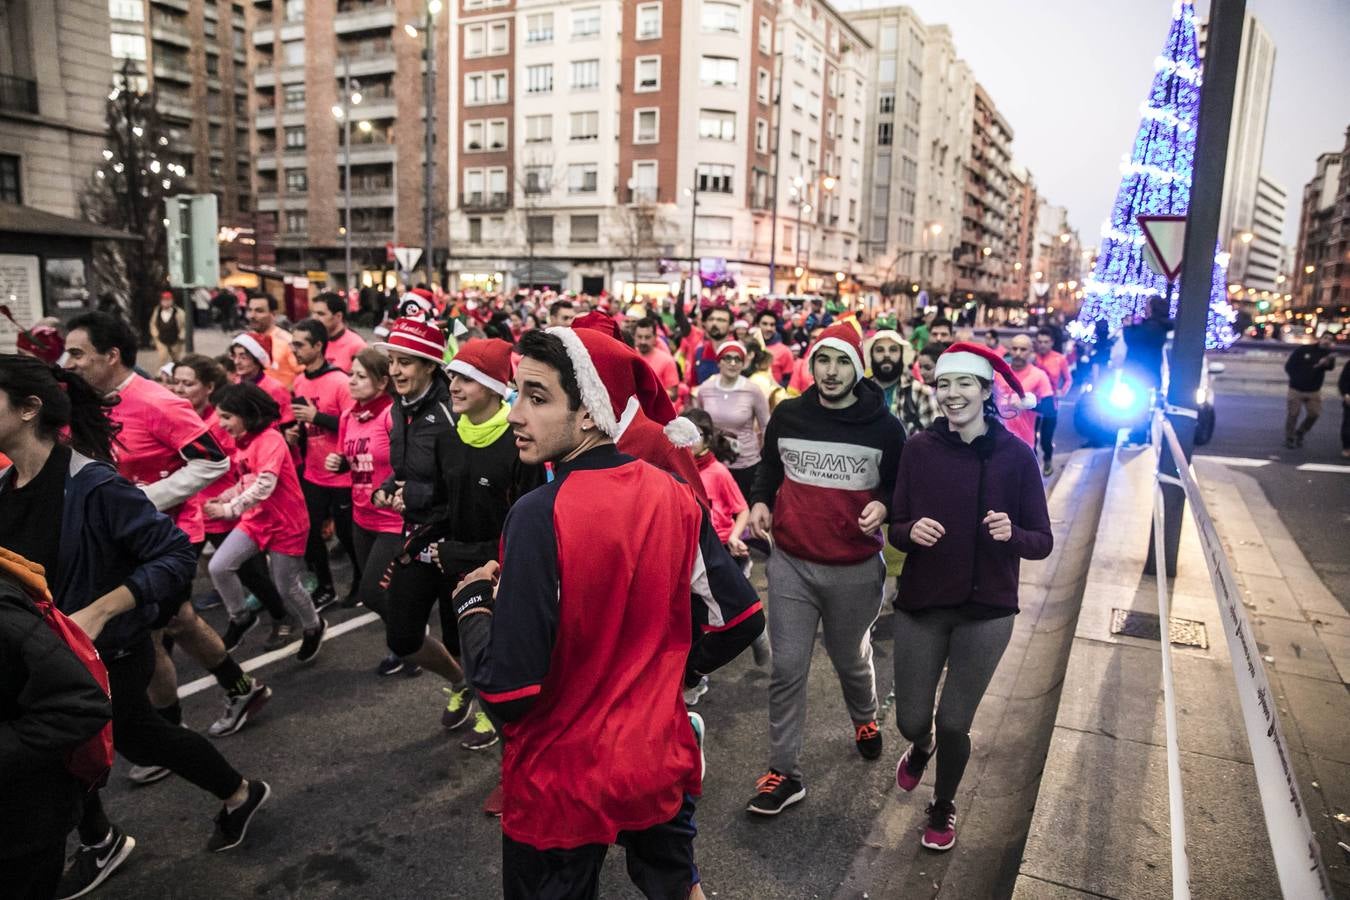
109	557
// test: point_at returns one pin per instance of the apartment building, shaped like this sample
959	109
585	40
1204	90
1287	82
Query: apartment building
983	252
1059	262
1322	264
193	54
311	60
587	161
947	115
1262	255
1021	235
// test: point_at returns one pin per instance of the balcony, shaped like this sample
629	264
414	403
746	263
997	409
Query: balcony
264	36
18	95
293	239
372	61
371	153
292	75
170	34
174	107
368	16
172	70
264	77
266	119
477	201
375	108
180	5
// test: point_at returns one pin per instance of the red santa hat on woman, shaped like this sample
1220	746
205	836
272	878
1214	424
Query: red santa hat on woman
734	347
964	358
616	384
487	361
414	337
258	346
844	337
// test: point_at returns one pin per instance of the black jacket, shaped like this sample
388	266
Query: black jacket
420	447
49	704
1305	370
482	483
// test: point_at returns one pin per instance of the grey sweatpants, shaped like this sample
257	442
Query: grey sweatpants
802	595
237	549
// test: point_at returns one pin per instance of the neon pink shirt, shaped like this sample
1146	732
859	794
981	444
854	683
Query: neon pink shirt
663	364
156	424
801	377
281	522
1023	424
364	438
226	481
327	391
1056	366
723	493
342	349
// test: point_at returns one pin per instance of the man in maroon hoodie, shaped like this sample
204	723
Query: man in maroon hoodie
822	492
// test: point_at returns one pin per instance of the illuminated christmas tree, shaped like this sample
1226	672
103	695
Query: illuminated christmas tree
1156	180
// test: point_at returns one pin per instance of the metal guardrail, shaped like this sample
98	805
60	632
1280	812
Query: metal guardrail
18	94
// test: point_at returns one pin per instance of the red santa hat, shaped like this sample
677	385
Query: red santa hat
42	341
963	358
735	347
414	337
598	321
258	346
841	336
487	361
418	302
616	383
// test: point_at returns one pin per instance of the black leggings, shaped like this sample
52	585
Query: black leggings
376	550
1047	428
255	576
970	650
145	738
33	876
413	590
325	503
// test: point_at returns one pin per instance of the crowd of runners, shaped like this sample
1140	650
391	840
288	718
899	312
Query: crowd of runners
497	460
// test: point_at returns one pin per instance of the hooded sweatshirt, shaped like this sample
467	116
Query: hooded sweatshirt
943	478
821	466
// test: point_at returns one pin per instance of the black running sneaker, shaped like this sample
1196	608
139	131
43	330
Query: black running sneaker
237	628
91	866
390	665
312	641
868	738
324	597
232	826
776	792
282	634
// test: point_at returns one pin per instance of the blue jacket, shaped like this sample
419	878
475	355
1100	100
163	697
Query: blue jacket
112	535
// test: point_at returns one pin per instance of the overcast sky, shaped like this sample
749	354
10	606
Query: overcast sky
1069	77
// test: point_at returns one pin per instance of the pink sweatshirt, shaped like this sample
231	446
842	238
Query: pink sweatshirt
327	391
364	438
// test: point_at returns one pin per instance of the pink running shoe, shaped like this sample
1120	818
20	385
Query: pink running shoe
906	780
941	831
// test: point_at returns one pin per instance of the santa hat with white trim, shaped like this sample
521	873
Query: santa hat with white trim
907	351
414	337
487	361
258	346
735	347
844	337
964	358
616	383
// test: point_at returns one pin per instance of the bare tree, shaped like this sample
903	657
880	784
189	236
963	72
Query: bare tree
639	234
535	181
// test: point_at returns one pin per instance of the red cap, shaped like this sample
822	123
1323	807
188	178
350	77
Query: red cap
598	321
415	338
842	336
487	361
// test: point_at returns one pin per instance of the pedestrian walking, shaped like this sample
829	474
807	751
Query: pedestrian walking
168	329
1307	368
1018	413
251	354
1053	363
549	654
330	311
822	494
968	506
261	315
738	408
1343	385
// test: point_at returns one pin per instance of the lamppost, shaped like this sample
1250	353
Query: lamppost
800	191
428	32
351	96
694	274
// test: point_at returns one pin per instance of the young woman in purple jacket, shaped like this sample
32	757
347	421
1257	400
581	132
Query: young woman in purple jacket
969	505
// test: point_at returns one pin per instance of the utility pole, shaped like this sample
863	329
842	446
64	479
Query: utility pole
777	136
694	273
429	168
347	174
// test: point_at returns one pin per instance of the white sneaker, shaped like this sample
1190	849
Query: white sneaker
147	774
691	694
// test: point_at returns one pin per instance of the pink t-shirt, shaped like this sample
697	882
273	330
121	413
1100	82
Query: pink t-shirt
364	437
1055	365
723	493
801	377
281	522
156	424
663	364
226	481
329	394
1023	424
782	361
342	350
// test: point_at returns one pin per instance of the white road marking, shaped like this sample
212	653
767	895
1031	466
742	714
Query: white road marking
1324	467
1241	462
257	662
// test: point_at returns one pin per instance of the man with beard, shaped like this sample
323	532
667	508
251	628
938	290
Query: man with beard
823	488
890	356
1035	385
702	362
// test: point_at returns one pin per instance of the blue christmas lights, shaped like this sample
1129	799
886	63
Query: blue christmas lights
1156	180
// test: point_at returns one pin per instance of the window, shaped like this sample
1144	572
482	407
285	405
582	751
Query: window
293	52
473	135
714	229
798	97
718	71
765	35
294	96
761	136
760	198
496	134
646	126
795	144
829	163
297	181
539	229
539	28
583	178
647	73
585	229
585	74
884	134
812	146
473	187
475	40
716	125
499	38
475	89
715	178
538	129
539	79
127	10
295	138
538	179
297	221
295	10
854	169
584	126
648	21
857	130
498	87
829	124
644	181
496	185
586	22
475	230
128	46
886	102
11	188
852	211
718	16
789	236
888	39
763	86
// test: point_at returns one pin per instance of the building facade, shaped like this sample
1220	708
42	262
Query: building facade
1023	206
982	255
311	60
1059	262
1322	262
1263	255
947	114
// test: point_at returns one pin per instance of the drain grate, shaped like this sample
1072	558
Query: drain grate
1183	632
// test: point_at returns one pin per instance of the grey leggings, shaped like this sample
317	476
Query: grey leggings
238	548
970	649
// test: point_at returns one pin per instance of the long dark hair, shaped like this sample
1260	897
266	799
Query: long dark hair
714	438
68	401
250	403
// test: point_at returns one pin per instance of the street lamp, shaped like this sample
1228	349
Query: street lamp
351	96
694	273
428	32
